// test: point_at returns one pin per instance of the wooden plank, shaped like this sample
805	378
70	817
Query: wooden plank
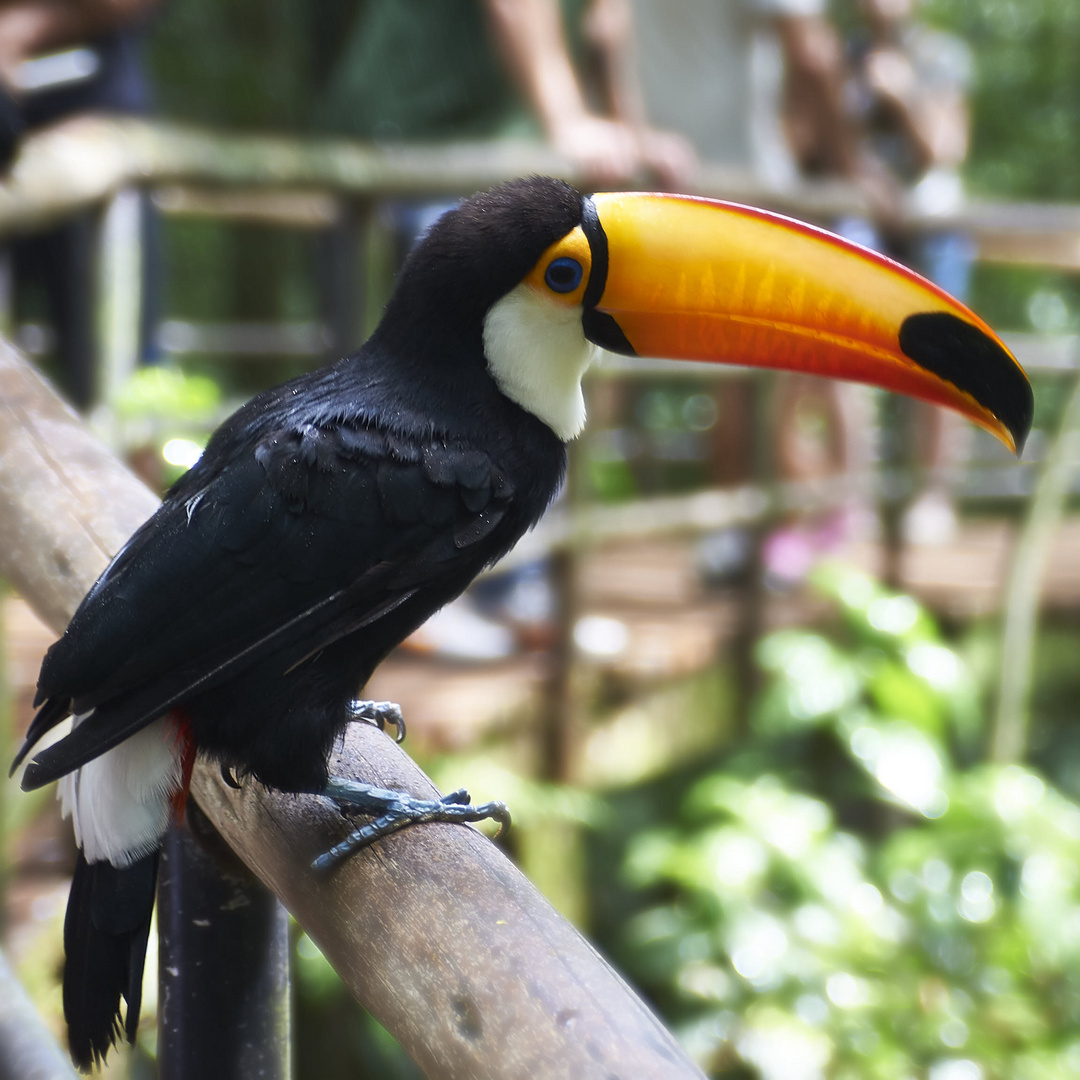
289	209
1059	250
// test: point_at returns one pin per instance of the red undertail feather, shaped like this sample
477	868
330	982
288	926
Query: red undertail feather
181	729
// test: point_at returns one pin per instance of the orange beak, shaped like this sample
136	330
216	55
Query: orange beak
694	279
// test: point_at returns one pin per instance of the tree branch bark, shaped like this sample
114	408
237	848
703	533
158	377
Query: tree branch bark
436	933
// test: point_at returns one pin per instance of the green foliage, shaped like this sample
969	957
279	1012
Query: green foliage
659	439
334	1036
163	393
1026	120
169	414
235	64
845	898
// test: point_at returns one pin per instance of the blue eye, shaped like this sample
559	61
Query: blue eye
563	275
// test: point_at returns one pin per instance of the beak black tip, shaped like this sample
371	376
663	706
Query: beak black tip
966	356
1020	440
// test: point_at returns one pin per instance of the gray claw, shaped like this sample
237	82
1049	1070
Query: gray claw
379	713
229	777
395	810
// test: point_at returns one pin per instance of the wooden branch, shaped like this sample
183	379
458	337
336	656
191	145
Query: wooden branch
433	930
66	503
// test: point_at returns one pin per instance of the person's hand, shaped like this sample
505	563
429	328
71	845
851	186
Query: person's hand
606	151
890	75
670	158
613	153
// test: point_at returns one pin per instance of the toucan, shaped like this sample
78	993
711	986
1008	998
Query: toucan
330	516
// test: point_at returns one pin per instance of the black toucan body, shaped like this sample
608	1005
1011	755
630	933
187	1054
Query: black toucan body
329	517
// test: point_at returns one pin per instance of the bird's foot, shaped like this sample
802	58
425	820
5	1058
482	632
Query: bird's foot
394	810
379	713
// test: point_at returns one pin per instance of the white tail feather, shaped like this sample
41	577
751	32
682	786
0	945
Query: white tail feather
119	803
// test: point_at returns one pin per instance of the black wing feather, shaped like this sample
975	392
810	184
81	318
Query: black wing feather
316	533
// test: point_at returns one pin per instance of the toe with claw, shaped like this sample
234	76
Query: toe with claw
379	713
229	777
394	810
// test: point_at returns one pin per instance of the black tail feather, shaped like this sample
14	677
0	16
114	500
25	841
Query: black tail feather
105	934
51	713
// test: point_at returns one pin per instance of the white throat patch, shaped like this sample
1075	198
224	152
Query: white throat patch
537	353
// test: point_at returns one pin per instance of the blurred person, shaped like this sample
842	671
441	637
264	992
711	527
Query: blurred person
471	69
610	138
758	86
59	58
908	93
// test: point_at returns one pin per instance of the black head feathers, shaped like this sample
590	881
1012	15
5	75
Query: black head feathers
480	250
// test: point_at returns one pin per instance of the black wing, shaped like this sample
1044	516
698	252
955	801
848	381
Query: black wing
312	534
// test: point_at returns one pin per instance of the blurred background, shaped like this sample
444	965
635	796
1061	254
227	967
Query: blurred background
783	692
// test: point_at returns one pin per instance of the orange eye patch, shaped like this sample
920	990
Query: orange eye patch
562	272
